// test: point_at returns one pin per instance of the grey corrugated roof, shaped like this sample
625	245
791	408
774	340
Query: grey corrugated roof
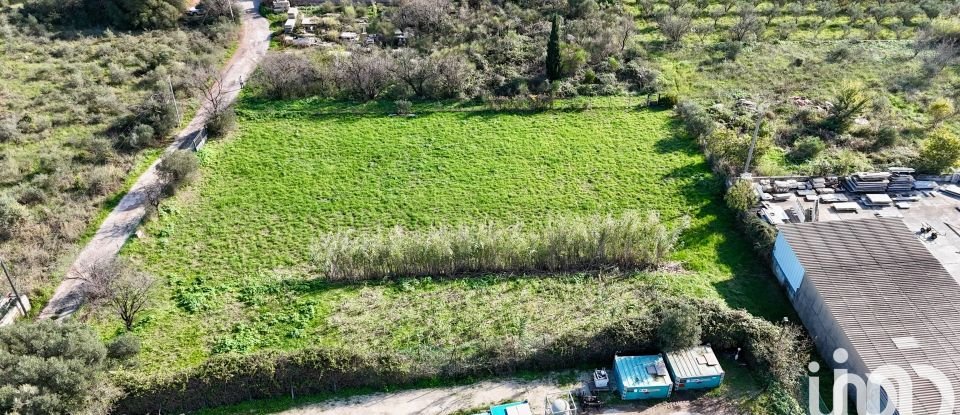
685	365
879	282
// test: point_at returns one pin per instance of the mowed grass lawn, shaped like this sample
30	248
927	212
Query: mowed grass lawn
233	250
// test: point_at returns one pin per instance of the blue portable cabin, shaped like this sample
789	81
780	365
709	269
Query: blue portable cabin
694	368
513	408
642	377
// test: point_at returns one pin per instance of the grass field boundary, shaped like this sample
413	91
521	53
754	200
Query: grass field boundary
768	348
251	109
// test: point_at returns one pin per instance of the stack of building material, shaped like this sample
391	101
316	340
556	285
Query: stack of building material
846	207
867	182
877	200
785	185
834	198
925	185
951	190
900	170
900	182
818	183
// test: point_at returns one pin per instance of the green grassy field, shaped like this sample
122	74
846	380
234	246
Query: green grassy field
233	250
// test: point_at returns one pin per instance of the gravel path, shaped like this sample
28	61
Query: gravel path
126	217
439	401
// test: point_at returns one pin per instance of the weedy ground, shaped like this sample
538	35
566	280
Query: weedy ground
233	250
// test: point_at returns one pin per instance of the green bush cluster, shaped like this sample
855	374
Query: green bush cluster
776	352
631	240
79	107
52	368
124	14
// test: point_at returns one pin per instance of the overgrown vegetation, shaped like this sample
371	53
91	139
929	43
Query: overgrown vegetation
54	368
776	353
235	263
80	109
628	241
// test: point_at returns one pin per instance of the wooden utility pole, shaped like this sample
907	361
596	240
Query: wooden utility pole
13	288
175	105
756	133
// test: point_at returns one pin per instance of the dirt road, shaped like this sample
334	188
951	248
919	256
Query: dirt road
126	217
440	401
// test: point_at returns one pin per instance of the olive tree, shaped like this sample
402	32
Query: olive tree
178	167
674	27
679	328
53	368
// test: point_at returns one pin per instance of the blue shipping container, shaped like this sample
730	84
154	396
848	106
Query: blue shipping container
642	377
694	368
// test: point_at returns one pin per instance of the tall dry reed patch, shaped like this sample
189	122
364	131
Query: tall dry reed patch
630	240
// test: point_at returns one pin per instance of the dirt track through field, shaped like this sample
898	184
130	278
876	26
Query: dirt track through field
440	401
126	217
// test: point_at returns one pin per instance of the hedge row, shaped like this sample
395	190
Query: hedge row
223	380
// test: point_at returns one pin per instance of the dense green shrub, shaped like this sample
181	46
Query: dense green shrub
696	121
630	240
940	151
8	129
850	100
12	215
51	367
124	347
137	137
31	195
741	196
154	119
125	14
178	167
838	162
221	123
679	328
403	107
886	136
807	148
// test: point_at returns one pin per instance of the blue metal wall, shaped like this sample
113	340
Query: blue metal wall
634	382
786	265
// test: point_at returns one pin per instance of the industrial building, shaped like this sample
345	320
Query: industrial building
871	286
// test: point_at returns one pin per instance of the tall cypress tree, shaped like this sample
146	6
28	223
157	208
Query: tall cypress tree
553	50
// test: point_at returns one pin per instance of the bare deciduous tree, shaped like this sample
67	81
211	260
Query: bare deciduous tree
427	16
209	84
365	75
414	71
115	284
627	26
944	54
96	280
130	293
284	76
154	195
